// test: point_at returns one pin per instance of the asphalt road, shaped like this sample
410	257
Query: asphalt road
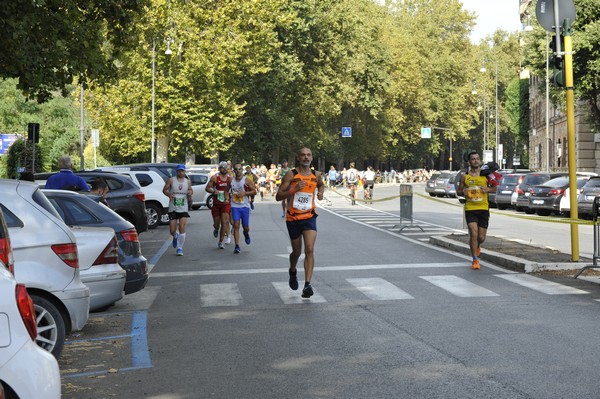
392	317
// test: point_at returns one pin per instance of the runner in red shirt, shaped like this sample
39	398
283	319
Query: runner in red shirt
219	185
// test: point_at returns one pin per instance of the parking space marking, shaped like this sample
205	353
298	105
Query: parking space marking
458	286
140	353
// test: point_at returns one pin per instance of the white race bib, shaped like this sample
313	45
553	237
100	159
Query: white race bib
303	201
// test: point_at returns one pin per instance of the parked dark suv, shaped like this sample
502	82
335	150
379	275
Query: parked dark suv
124	196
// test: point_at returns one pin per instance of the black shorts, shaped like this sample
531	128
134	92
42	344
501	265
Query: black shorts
369	184
296	227
482	218
178	215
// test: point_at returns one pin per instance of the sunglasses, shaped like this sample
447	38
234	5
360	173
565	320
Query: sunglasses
240	168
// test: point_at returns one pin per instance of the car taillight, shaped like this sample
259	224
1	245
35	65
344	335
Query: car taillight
27	311
67	253
109	255
140	195
130	235
6	255
556	191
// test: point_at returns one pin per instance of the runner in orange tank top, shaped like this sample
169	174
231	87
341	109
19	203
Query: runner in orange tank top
298	188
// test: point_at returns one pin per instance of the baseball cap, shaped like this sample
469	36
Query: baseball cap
283	160
180	167
223	164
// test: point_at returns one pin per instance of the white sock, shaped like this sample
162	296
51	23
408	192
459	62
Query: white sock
180	240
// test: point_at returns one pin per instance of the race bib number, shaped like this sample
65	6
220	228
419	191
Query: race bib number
179	201
238	197
221	196
473	194
302	201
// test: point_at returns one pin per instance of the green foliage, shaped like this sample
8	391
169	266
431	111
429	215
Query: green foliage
20	154
46	44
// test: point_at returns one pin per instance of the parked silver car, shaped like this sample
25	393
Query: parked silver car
46	261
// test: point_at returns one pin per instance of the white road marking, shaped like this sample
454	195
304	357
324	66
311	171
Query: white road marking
291	297
378	289
319	269
220	295
541	285
458	286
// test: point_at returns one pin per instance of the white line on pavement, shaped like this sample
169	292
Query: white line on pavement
320	269
378	289
541	285
458	286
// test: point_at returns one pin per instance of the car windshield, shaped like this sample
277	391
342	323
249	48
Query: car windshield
593	183
510	179
535	179
557	182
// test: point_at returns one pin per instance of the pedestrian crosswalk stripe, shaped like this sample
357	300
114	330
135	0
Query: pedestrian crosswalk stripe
378	289
458	286
220	295
291	297
541	285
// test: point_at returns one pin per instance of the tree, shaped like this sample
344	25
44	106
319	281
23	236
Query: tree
47	44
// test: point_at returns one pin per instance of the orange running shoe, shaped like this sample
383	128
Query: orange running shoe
478	252
475	265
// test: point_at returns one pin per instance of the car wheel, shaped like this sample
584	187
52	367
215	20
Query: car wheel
519	209
501	207
196	207
209	201
431	194
543	212
50	326
529	211
153	213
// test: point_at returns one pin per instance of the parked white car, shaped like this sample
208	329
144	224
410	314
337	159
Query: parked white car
46	261
200	197
26	370
151	183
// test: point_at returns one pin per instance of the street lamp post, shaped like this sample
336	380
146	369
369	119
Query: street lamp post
152	157
483	70
547	104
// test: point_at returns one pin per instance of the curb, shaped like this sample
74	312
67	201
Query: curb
507	261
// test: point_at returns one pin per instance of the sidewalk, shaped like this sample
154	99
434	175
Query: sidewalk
513	255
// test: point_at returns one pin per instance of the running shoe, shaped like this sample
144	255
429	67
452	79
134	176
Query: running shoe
475	265
307	292
252	205
283	215
175	238
237	249
293	280
216	233
221	246
478	252
247	238
227	240
179	252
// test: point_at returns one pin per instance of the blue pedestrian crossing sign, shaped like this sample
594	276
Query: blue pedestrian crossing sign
346	132
425	132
